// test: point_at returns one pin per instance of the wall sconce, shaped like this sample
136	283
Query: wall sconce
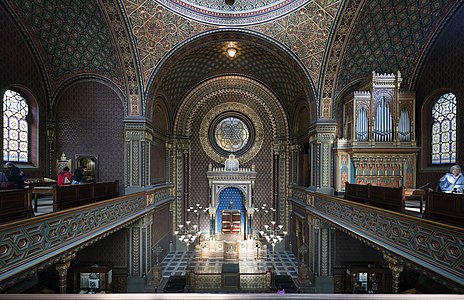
231	50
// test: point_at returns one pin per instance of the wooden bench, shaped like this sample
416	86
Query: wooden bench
106	190
383	197
15	205
68	196
387	197
357	192
445	207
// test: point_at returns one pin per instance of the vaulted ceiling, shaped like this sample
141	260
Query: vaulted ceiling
300	49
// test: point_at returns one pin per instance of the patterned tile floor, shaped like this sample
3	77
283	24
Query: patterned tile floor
175	263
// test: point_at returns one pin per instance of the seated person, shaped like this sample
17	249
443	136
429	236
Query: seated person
78	176
15	175
5	184
453	181
65	177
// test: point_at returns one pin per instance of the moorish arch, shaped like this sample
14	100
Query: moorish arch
258	109
227	88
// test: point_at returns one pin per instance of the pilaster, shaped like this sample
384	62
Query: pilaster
321	139
294	152
140	235
138	137
180	155
51	139
281	180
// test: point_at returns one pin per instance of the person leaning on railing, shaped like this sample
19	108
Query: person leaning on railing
452	181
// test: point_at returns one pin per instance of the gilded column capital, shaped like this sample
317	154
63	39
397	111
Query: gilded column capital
394	264
138	130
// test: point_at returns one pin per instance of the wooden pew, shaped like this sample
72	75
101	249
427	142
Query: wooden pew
445	207
387	197
15	205
106	190
378	196
357	192
68	196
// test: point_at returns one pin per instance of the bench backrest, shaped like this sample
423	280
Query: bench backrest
106	190
378	196
387	197
15	205
445	207
356	192
67	196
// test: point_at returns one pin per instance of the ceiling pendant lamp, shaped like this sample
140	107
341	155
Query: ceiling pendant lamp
231	50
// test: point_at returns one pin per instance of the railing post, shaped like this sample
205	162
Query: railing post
396	267
62	269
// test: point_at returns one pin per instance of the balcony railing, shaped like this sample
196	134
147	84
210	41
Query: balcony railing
418	242
33	244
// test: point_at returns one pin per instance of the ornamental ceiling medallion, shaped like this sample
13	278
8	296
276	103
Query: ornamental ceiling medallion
238	12
223	109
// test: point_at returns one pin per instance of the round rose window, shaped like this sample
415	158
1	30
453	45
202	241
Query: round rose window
231	134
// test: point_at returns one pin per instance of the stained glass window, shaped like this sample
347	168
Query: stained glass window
15	127
231	134
444	130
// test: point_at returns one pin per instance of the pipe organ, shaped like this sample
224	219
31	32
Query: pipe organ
378	144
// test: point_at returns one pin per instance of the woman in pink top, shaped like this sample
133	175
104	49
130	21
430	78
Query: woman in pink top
65	177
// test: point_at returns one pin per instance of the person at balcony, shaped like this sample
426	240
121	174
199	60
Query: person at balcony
452	181
78	176
280	290
15	176
5	184
65	177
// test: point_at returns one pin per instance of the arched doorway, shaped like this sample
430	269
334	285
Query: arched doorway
231	202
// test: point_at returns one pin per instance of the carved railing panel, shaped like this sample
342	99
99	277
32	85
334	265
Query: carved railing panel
427	244
32	244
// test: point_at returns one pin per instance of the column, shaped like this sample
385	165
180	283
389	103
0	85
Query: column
180	163
294	163
62	269
396	267
313	244
140	235
281	180
321	241
51	148
138	139
321	139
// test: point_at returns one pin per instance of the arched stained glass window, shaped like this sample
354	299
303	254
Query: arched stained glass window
15	127
444	130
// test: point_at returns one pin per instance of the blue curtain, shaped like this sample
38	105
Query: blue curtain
231	198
